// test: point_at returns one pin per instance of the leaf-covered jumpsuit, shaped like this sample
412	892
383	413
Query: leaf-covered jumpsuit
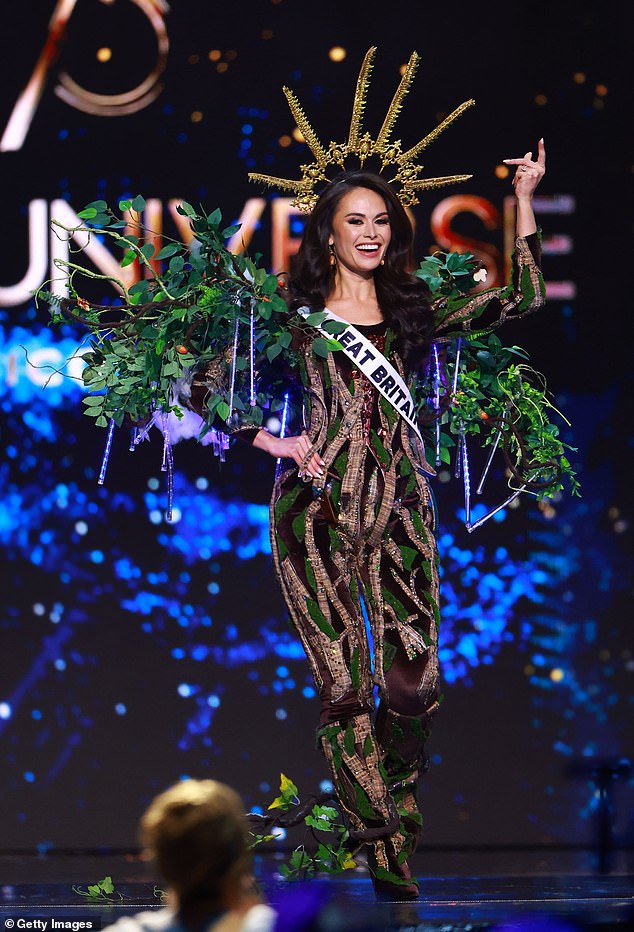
363	536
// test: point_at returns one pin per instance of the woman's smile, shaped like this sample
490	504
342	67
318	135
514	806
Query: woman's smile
360	231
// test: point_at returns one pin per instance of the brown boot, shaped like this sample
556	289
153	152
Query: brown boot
402	741
391	876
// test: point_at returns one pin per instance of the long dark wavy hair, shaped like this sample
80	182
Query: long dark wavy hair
402	298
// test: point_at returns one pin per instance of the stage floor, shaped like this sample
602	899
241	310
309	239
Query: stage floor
461	891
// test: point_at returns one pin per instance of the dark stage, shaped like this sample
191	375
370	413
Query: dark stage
465	891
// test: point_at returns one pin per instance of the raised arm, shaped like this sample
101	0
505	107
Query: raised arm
525	292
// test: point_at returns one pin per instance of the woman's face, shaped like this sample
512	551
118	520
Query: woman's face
360	231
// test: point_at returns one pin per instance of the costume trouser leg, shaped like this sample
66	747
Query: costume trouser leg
320	583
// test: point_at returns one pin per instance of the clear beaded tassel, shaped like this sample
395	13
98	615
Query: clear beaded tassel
106	453
167	466
278	464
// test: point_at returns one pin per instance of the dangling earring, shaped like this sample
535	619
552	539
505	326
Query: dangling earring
333	258
382	262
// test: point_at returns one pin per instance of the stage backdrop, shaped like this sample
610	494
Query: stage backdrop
136	650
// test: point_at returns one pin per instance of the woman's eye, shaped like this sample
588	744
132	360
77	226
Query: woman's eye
383	220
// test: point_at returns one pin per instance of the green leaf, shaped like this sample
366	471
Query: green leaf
273	351
320	824
269	285
185	209
148	251
168	251
321	347
138	203
87	214
100	206
128	258
107	885
349	740
335	326
316	318
223	410
125	204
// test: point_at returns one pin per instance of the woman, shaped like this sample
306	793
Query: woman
352	520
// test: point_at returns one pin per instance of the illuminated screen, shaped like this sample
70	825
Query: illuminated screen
137	650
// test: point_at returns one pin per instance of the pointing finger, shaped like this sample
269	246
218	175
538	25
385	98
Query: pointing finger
541	153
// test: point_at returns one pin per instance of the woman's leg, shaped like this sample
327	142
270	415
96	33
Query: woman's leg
401	587
317	572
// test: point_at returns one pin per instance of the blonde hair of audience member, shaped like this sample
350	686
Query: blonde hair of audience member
197	834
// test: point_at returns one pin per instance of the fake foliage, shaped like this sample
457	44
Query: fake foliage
104	891
495	395
194	305
198	306
325	848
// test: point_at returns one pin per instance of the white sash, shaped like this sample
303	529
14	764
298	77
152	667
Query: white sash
374	366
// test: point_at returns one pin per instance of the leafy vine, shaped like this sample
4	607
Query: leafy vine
198	307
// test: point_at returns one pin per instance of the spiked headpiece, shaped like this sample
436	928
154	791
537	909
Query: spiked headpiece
361	145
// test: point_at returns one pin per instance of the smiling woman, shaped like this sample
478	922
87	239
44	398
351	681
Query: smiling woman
352	516
359	240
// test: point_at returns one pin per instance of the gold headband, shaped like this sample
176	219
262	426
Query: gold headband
363	146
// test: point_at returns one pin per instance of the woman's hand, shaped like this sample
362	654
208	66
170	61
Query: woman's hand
527	176
528	173
298	448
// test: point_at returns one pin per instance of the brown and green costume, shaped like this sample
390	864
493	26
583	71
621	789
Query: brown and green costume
363	535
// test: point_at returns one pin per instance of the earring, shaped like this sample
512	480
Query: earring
382	262
333	258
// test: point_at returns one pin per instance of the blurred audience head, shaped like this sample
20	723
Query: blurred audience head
197	834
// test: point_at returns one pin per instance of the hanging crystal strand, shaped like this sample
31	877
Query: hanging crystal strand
252	355
466	479
168	466
459	453
278	464
494	511
170	484
494	447
166	443
145	432
455	375
133	434
437	401
454	389
233	364
106	453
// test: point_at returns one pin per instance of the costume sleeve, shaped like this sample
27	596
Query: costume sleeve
486	310
274	381
202	383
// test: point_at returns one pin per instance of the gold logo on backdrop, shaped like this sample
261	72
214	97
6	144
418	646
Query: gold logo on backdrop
74	94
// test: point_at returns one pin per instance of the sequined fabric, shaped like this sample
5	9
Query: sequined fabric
361	537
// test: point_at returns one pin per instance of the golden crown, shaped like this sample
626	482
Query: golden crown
362	145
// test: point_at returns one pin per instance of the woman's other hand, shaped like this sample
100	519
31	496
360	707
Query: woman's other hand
528	174
297	448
